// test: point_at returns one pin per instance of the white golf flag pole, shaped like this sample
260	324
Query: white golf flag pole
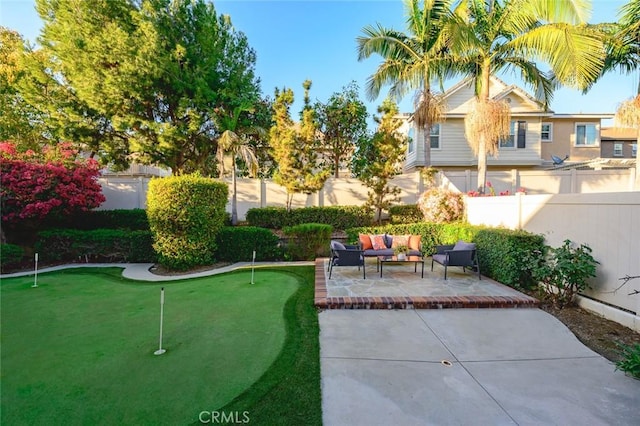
160	351
253	261
35	279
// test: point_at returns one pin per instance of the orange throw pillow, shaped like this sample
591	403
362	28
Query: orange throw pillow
365	242
414	242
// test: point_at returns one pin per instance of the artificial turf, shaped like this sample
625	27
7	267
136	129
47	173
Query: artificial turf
79	349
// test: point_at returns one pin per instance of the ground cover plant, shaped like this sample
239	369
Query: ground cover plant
79	348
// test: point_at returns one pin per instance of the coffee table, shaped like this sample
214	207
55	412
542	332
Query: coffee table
407	259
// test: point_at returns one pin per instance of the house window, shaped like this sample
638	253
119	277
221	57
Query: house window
434	132
617	150
546	132
509	142
586	134
517	135
412	144
634	150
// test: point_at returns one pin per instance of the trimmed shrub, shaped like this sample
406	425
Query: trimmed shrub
267	217
185	215
237	244
10	254
441	205
504	255
307	240
339	217
133	219
409	213
103	245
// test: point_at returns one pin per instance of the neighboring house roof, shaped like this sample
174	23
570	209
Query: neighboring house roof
599	163
618	134
460	96
597	115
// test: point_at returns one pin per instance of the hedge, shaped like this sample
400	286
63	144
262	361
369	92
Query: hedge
307	240
236	244
110	245
10	254
408	213
339	217
504	254
133	219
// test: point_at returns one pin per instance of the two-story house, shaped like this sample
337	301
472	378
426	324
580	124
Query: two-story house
537	136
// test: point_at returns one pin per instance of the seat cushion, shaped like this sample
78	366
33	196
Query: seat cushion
383	252
461	245
440	258
337	245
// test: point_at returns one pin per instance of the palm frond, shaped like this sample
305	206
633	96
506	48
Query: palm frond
628	113
489	120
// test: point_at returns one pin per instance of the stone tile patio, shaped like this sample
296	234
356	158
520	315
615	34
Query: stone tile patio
402	288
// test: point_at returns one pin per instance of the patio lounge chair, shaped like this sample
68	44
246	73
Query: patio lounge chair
458	254
346	257
337	245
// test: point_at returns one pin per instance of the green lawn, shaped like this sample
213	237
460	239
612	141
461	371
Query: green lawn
79	348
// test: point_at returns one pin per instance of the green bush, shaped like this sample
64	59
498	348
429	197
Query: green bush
133	219
101	245
504	255
185	215
339	217
630	362
307	240
564	271
10	254
409	213
267	217
237	244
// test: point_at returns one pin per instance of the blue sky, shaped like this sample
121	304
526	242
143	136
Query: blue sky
315	39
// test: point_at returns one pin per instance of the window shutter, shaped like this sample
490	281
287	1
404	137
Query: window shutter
522	134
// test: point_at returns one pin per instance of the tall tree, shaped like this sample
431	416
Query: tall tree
342	122
158	69
379	158
234	142
20	122
412	61
295	147
624	55
497	35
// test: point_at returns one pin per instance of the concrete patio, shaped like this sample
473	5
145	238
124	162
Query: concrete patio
401	287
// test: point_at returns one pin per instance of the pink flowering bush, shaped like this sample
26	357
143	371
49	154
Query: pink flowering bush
440	205
40	185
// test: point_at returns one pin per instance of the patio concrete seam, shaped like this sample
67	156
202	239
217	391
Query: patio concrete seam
417	361
560	358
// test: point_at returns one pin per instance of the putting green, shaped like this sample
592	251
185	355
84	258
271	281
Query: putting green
79	348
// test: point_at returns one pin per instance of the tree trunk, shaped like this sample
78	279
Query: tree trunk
482	146
234	197
637	185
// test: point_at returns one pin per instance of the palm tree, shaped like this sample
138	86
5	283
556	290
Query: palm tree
412	61
491	36
234	141
624	54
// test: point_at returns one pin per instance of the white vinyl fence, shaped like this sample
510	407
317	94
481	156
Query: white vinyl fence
609	223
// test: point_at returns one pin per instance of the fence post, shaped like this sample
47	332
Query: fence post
519	196
263	192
